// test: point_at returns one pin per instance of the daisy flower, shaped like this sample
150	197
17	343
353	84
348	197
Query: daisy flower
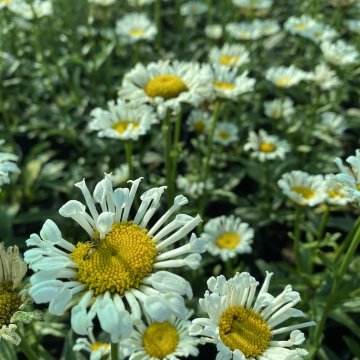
339	53
199	121
324	77
227	236
266	27
193	186
333	123
98	350
122	120
166	85
349	177
226	133
353	25
165	340
140	2
285	77
102	2
266	147
7	166
213	31
230	55
302	188
336	195
279	108
243	326
193	8
119	272
38	8
12	271
4	3
260	7
134	27
244	31
227	84
120	175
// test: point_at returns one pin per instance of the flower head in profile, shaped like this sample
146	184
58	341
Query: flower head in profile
166	85
349	176
227	236
279	108
135	27
243	326
244	31
165	340
285	77
119	273
7	166
12	271
231	55
266	147
213	31
302	188
122	120
193	8
256	7
324	77
339	53
38	8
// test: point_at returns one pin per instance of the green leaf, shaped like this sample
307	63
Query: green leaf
353	345
344	319
7	350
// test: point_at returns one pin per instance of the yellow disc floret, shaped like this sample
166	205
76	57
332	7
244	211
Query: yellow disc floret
244	329
228	240
267	147
167	86
284	81
223	85
304	191
137	32
9	302
228	60
98	345
118	262
160	339
122	125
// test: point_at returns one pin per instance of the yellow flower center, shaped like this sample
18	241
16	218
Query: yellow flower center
267	147
121	126
167	86
118	262
160	339
199	126
5	2
304	191
223	135
228	240
228	60
358	186
335	193
302	26
244	329
9	302
284	81
97	345
223	85
136	32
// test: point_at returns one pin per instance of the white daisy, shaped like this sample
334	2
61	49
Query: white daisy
243	326
213	31
227	236
12	271
336	195
266	147
123	120
135	27
140	2
166	85
231	55
4	3
302	188
165	340
193	8
266	27
349	177
98	350
120	175
334	124
38	8
244	31
7	166
226	133
279	108
284	77
199	121
256	7
227	84
102	2
119	272
339	53
324	77
353	25
193	186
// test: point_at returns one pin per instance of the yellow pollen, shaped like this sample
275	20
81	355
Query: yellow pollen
223	85
160	339
358	186
224	135
284	81
9	302
122	125
228	240
228	60
302	26
167	86
244	329
334	193
267	147
118	262
97	345
199	126
304	191
137	32
5	2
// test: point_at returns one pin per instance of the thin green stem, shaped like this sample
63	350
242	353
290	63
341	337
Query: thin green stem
25	348
297	236
175	147
129	156
166	128
323	222
114	351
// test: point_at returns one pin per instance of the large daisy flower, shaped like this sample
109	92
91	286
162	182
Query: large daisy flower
303	188
7	166
166	85
231	55
165	340
119	271
324	77
243	326
285	77
123	121
134	27
266	147
227	236
339	53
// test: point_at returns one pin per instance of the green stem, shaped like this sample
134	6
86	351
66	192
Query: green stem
297	238
175	148
323	222
25	348
166	128
114	351
128	151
